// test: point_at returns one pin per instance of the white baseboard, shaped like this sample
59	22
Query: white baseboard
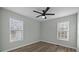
59	44
19	46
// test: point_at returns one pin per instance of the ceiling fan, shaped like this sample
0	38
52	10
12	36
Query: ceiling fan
43	13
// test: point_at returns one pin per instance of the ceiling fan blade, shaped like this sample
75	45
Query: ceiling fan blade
37	12
47	9
38	16
49	14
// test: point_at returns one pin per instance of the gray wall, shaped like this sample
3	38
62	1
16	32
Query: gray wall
49	31
0	30
78	32
31	30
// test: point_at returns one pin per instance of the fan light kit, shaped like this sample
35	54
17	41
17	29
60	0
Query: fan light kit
43	17
43	13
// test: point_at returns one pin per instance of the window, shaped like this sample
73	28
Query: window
16	30
63	30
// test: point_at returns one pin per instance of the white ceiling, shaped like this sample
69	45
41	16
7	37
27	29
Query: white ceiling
59	11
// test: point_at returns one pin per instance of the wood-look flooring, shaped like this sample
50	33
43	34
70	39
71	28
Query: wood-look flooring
43	47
